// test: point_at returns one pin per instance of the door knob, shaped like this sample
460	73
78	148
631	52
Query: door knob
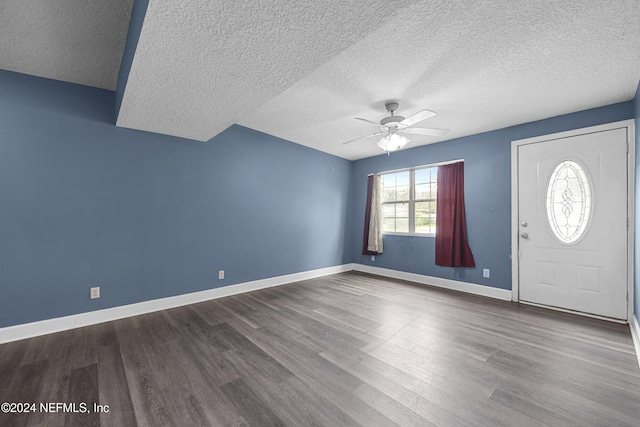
524	235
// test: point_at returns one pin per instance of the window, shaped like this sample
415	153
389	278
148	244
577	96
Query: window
409	201
569	202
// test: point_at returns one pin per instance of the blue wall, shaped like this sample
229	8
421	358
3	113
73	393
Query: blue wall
144	216
487	196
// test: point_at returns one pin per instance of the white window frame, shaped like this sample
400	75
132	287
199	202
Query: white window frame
412	201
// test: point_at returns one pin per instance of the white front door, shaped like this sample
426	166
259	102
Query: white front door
572	223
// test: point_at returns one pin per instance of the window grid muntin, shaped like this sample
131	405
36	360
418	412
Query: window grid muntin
431	200
412	200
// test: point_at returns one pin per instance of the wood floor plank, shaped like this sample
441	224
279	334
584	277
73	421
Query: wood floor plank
250	406
114	389
207	351
246	310
36	350
83	352
330	334
351	349
55	380
598	400
312	405
303	360
246	349
83	395
396	411
12	353
292	404
145	384
21	386
193	386
399	386
536	411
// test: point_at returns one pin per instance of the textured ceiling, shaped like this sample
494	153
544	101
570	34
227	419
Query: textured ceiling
302	70
78	41
201	66
481	65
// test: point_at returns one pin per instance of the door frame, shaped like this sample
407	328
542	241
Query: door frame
515	214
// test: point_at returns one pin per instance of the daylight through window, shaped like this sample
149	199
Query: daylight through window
409	200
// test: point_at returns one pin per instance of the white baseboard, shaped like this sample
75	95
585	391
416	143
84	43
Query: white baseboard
635	335
455	285
28	330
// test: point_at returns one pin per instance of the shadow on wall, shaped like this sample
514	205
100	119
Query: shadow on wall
58	97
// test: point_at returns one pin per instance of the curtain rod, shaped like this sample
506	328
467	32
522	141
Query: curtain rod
448	162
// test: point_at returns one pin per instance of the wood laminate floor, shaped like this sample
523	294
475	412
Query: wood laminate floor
344	350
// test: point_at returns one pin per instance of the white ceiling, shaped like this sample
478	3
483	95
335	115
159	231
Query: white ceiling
302	70
78	41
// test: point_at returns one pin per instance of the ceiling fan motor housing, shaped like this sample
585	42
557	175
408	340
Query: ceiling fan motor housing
391	121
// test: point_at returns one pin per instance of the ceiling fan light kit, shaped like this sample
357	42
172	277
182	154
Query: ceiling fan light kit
392	142
394	126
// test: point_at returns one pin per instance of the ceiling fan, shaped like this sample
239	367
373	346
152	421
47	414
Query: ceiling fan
395	127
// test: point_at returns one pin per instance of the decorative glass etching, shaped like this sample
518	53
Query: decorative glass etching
569	202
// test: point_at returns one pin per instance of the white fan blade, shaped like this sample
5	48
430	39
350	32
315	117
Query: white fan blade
365	137
425	131
417	117
368	121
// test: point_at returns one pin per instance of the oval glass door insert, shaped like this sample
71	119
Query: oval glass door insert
569	202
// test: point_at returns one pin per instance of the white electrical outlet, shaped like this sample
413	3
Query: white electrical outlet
373	257
486	273
220	274
95	292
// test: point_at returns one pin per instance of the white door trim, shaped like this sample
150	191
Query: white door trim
515	146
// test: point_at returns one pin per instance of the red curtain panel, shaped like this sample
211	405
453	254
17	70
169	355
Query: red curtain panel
367	219
452	249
